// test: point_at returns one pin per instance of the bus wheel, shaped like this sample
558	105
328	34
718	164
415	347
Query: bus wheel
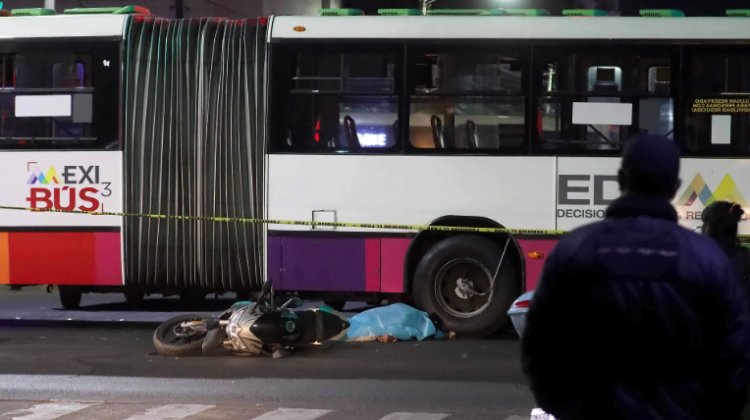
70	297
454	282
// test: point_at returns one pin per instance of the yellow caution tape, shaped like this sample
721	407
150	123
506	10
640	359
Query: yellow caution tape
218	219
388	226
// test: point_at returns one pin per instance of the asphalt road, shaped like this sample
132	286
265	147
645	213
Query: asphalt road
97	369
98	362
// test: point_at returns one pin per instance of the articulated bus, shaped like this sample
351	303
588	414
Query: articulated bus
505	120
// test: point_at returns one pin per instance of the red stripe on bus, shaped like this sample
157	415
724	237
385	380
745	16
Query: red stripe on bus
52	258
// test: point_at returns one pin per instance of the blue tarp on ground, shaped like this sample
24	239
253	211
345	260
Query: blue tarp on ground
397	320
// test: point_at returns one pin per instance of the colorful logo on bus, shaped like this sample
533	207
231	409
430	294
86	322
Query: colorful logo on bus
44	178
75	187
697	189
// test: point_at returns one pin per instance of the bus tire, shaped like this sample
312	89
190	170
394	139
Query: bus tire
70	297
456	264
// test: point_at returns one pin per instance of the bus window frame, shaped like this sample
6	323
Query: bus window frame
415	48
731	150
107	102
281	55
672	51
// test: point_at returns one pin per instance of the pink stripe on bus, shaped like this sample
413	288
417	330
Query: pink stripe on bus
393	254
372	265
107	259
535	262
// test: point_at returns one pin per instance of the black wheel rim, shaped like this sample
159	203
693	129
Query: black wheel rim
463	288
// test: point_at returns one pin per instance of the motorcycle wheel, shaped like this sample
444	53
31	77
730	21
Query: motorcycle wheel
171	339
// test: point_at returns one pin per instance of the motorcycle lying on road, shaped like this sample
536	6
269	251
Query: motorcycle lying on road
249	329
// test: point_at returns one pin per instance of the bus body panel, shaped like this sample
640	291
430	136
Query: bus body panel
412	190
83	181
507	27
585	197
552	193
332	263
535	252
87	258
58	247
62	27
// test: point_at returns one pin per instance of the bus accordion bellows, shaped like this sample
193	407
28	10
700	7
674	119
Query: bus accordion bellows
495	120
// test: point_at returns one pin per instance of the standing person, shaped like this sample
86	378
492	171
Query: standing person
720	222
636	317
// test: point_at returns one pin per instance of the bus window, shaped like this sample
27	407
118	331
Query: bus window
718	112
49	98
467	101
595	100
338	101
467	122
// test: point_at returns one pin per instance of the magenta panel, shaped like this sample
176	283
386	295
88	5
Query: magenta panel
108	259
372	265
534	266
393	255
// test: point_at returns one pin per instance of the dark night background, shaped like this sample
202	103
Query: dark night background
625	7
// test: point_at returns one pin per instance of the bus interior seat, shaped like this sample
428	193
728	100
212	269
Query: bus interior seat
350	130
472	137
437	132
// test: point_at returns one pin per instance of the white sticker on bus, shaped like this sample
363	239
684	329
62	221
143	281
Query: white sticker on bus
43	106
721	129
606	113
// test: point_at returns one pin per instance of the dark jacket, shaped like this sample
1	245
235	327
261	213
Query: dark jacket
638	318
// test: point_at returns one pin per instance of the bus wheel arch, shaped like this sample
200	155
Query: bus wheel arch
449	276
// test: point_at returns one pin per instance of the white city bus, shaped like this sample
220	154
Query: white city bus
475	121
483	121
61	148
111	110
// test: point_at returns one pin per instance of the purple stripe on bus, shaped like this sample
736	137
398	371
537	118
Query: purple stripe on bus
274	261
320	264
